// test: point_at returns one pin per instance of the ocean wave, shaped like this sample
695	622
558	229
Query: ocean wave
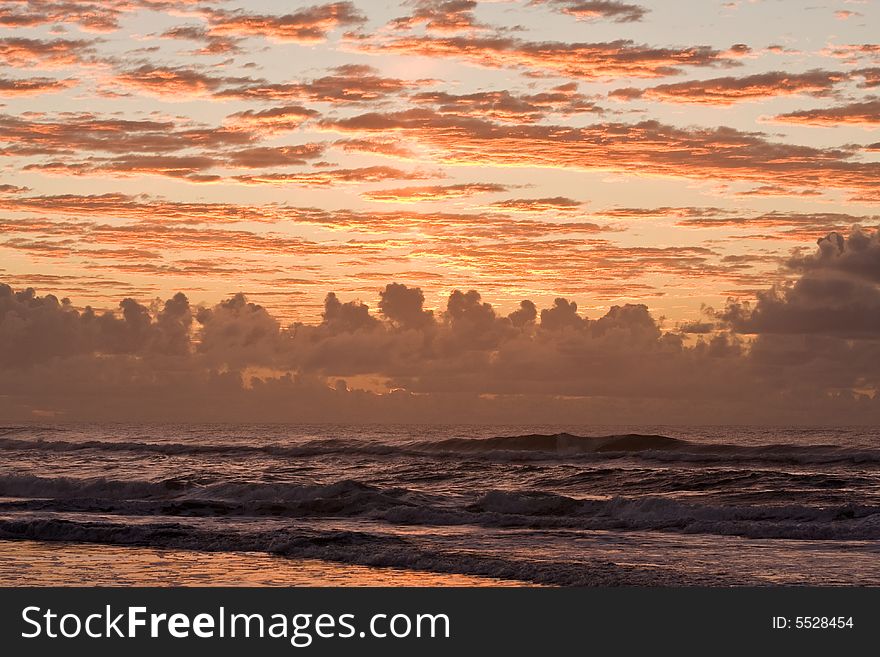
792	521
351	547
492	508
562	443
654	447
180	495
308	448
561	446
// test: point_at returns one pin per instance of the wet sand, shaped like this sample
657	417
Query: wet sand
33	563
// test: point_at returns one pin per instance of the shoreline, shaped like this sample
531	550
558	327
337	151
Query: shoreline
60	563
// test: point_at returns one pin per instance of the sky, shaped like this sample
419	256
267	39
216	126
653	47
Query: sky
423	209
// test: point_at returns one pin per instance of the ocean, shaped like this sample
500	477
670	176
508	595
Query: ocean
439	505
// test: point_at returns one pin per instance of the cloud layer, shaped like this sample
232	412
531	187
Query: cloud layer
563	207
806	348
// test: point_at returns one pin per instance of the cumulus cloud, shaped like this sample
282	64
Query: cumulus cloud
522	288
404	306
238	333
809	338
525	314
35	329
563	314
838	292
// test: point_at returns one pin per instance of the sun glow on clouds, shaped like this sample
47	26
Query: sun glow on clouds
526	148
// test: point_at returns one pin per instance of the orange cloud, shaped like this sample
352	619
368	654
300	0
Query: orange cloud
505	106
131	207
870	76
440	16
865	113
730	90
171	81
334	176
189	167
390	147
665	212
644	148
530	110
95	16
776	190
775	225
306	25
807	222
844	14
351	83
64	134
151	235
271	121
273	156
213	44
432	193
575	60
157	210
538	205
175	166
619	12
22	52
853	52
33	86
92	15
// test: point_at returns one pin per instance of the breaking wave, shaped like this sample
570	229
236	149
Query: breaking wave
351	547
493	508
521	447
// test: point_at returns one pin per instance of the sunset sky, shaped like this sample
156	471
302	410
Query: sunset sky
676	160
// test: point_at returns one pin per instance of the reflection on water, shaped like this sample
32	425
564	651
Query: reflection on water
31	563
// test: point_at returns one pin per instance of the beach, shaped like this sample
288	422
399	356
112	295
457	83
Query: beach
284	505
33	563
